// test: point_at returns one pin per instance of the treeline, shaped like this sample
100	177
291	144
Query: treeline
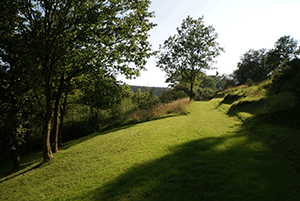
206	87
259	65
157	90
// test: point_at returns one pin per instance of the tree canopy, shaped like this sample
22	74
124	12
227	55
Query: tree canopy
189	52
257	65
59	40
253	65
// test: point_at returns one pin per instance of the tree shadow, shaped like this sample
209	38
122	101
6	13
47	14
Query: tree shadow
230	98
215	168
246	106
34	160
12	173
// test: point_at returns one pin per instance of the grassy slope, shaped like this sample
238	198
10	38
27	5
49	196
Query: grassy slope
206	155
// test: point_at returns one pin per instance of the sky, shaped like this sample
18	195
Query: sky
241	25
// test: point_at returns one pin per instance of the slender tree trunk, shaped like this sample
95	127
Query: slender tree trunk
47	153
62	115
191	91
16	152
54	137
13	129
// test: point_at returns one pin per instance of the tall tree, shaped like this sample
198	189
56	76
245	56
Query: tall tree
285	49
71	37
15	79
186	54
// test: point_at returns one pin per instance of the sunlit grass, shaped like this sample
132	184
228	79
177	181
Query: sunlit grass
204	155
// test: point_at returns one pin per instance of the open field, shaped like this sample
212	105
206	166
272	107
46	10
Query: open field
209	154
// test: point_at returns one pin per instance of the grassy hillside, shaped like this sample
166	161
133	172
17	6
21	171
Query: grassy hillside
213	153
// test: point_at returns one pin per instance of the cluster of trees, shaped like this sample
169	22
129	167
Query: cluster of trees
85	116
185	55
205	88
158	90
49	48
258	65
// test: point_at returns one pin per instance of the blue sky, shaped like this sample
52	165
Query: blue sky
241	24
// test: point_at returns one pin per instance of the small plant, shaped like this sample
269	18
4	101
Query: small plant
249	82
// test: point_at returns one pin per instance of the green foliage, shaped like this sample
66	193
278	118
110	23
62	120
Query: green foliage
286	49
253	65
177	92
204	94
282	101
258	65
186	54
289	79
157	90
249	82
54	42
102	91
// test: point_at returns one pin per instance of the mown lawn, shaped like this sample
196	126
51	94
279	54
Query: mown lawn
205	155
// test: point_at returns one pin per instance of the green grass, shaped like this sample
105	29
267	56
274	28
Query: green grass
209	154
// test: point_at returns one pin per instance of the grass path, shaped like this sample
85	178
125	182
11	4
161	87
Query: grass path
205	155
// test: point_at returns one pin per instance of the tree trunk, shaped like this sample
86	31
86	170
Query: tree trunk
62	115
14	121
191	91
61	124
16	153
47	153
54	137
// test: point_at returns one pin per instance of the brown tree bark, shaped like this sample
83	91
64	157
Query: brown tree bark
191	91
54	143
47	153
16	154
62	115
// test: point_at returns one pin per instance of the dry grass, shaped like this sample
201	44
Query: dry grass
178	107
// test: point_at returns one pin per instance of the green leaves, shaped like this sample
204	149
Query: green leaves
186	54
257	65
48	40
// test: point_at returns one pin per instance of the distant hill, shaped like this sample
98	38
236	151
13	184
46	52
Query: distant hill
157	90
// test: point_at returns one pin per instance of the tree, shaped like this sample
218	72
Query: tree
100	91
285	49
186	54
257	65
15	80
253	65
69	38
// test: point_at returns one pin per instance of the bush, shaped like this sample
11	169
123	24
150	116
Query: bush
249	82
178	92
288	80
283	101
204	94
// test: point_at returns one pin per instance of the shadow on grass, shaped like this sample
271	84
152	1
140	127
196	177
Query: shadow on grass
12	173
246	106
206	170
231	98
